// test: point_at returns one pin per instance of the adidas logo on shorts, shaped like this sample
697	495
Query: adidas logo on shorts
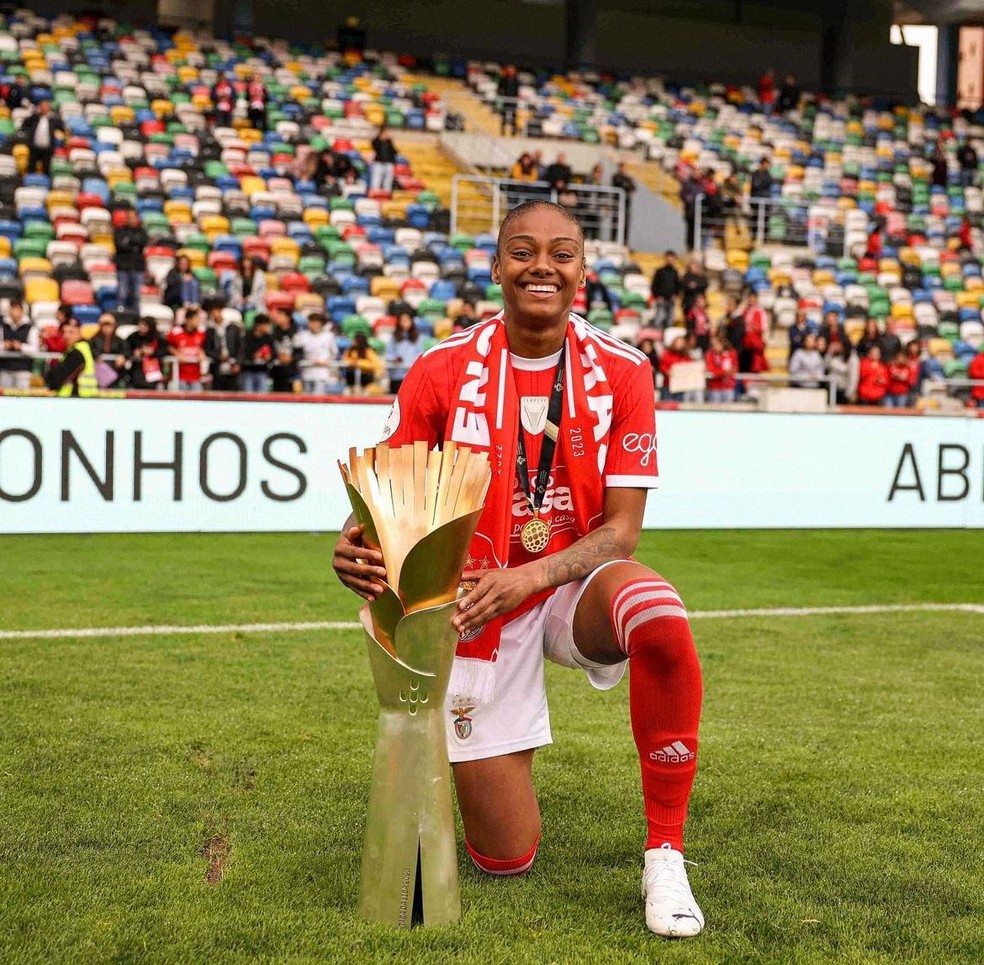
675	753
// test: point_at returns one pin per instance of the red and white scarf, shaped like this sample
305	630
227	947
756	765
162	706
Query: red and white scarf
484	415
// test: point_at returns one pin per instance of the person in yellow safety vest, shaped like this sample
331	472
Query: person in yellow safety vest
74	374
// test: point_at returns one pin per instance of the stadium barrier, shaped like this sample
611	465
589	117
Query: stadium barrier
171	465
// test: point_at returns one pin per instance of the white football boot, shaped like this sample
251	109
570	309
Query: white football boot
671	910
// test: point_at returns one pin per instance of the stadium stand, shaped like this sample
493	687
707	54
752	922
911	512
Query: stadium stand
858	221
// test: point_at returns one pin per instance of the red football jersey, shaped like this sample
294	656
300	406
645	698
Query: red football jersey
420	412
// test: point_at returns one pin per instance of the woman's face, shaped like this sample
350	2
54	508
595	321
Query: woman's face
540	265
404	323
184	264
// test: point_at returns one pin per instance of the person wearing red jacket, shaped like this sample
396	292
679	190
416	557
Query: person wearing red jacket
873	379
976	371
188	343
721	363
674	355
752	357
898	382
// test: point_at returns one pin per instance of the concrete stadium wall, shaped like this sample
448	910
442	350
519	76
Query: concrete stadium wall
134	465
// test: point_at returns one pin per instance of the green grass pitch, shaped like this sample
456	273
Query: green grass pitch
201	799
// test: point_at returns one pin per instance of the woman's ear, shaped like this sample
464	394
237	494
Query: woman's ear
495	269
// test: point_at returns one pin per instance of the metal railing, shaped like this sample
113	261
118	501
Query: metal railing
480	203
808	223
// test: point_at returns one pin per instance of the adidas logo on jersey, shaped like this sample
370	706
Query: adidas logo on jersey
675	753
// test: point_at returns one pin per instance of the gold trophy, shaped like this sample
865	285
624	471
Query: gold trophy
419	509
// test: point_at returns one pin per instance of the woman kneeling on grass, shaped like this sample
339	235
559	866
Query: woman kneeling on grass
567	415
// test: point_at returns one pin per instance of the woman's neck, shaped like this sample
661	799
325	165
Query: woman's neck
530	343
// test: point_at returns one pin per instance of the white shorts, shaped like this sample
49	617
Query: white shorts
518	718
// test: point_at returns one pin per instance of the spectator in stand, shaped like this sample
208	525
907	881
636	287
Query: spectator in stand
872	378
870	336
466	318
383	163
566	195
897	395
622	179
712	208
403	350
789	95
323	174
508	93
843	368
188	344
224	343
13	94
51	338
181	286
721	363
690	190
648	348
913	359
21	340
732	198
40	130
797	332
674	355
876	239
596	292
361	363
967	157
343	169
256	103
145	352
246	289
732	323
317	355
693	283
975	371
940	167
109	350
832	329
223	100
966	236
525	169
760	188
752	358
699	323
666	286
890	343
257	356
767	91
284	368
806	366
130	241
74	374
559	173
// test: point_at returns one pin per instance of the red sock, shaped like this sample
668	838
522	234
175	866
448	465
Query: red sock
504	866
665	690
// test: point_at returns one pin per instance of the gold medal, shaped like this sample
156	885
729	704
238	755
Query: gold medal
535	535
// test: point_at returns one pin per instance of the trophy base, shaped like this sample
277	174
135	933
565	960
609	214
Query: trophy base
409	862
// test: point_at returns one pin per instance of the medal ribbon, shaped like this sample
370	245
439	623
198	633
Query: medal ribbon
549	447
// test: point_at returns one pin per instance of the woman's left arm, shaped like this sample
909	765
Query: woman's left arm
498	592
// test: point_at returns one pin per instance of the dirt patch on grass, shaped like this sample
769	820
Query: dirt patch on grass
216	852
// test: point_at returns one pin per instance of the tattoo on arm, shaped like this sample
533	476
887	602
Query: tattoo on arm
587	554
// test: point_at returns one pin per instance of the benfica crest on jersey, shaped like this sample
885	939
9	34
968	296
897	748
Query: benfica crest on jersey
533	412
462	722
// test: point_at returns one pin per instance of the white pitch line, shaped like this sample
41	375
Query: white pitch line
207	628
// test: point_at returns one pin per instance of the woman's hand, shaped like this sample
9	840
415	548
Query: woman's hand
358	567
496	593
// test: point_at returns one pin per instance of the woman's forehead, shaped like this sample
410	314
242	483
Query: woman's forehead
542	224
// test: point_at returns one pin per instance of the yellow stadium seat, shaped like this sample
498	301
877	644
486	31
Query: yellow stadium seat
737	258
939	346
309	302
385	288
968	299
315	217
121	114
250	184
213	225
901	310
41	290
285	246
396	209
28	267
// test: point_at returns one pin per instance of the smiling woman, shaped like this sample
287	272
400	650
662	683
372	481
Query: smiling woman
562	409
